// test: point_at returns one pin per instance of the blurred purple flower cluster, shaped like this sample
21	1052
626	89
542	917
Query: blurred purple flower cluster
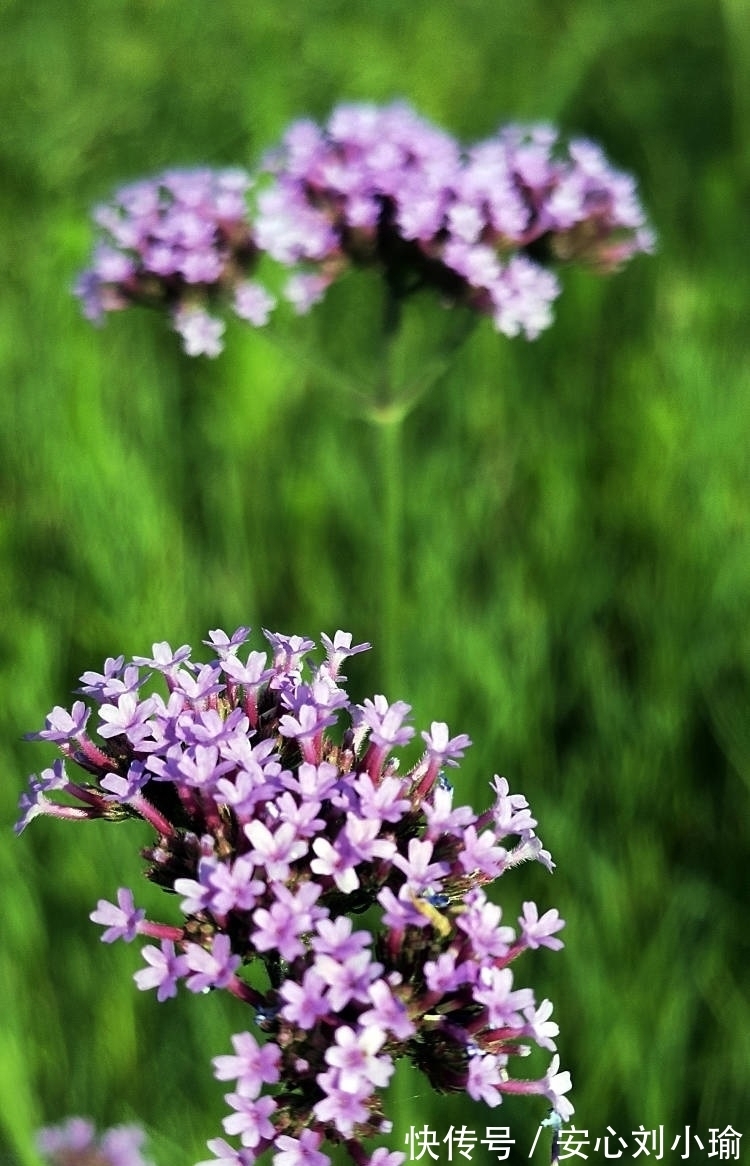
383	186
75	1143
379	187
280	811
180	241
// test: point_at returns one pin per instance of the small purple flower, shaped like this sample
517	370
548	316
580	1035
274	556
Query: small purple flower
511	813
226	1155
442	747
211	969
484	1079
121	921
76	1134
538	932
201	333
207	726
348	981
336	860
199	686
275	851
540	1027
388	1012
199	766
233	888
252	1067
225	645
250	1120
343	1108
281	927
125	789
98	682
306	1002
128	717
384	801
339	649
441	816
197	893
253	672
306	289
421	874
302	1151
385	1157
364	841
253	303
335	937
53	778
355	1056
121	1145
504	1004
164	659
75	1143
62	725
386	722
307	728
481	922
481	853
166	967
557	1085
245	789
288	651
443	975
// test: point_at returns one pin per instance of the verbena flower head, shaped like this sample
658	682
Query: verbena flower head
381	186
281	816
76	1143
181	241
376	186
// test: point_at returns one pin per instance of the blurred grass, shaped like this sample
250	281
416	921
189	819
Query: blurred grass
577	528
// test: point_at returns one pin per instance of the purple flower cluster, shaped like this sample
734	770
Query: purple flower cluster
280	811
182	241
378	187
384	186
75	1143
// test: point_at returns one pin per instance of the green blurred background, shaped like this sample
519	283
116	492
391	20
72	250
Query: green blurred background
577	529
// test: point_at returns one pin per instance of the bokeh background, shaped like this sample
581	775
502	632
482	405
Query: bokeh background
576	568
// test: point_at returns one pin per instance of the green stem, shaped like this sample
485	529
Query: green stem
389	430
388	416
387	412
384	402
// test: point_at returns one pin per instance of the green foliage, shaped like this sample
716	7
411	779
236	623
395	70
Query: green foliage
576	529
